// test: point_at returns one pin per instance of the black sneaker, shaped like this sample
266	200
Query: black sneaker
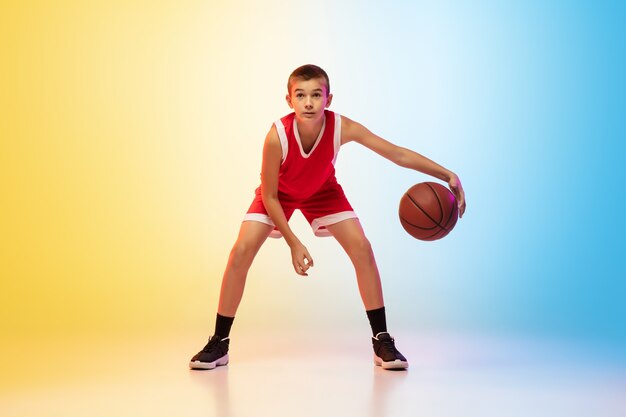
215	353
386	354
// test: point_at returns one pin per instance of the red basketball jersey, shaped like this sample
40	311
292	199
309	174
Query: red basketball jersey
306	181
302	174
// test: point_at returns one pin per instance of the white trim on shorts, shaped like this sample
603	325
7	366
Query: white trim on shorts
262	218
316	225
330	220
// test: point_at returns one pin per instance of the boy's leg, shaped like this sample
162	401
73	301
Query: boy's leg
251	237
351	237
252	234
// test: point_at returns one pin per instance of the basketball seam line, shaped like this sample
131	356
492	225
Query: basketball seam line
452	212
436	226
438	200
426	214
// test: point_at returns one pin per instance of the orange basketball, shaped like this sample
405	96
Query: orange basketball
428	211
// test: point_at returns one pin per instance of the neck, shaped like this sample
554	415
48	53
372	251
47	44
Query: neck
310	127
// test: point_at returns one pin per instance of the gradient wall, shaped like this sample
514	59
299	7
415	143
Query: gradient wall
131	144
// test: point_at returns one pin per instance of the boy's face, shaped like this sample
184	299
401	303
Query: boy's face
309	98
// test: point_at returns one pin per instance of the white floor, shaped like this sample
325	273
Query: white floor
303	375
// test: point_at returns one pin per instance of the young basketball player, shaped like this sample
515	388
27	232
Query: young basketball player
298	173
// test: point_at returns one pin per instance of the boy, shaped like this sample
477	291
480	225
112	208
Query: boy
298	173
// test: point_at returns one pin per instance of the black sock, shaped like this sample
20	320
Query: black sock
222	325
377	320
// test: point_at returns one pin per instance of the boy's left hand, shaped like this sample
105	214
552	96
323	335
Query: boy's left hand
457	190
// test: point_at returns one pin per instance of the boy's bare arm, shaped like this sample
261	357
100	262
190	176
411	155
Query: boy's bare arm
353	131
272	156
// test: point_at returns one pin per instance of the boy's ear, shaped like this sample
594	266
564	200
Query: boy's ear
288	98
329	100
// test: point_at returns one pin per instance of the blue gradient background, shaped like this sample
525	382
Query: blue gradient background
525	101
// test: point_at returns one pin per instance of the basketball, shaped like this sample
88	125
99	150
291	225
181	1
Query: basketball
428	211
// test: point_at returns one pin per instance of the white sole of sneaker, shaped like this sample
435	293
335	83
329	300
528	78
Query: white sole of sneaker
209	365
397	364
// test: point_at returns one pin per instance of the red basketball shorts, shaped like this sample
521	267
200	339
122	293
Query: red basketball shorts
327	206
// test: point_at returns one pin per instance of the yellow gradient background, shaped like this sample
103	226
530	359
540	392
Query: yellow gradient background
131	142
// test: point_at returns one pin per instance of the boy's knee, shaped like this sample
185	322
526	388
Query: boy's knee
241	254
361	248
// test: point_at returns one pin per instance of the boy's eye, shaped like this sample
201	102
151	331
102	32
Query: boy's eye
317	95
299	95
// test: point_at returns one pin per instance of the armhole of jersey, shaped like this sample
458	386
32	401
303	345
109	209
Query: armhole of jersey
337	137
284	144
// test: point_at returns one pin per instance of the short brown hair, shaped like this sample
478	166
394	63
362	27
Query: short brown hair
308	72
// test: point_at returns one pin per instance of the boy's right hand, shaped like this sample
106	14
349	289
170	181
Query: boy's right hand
301	259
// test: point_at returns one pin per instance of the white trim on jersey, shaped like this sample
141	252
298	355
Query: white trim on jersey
317	141
317	224
337	137
284	144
